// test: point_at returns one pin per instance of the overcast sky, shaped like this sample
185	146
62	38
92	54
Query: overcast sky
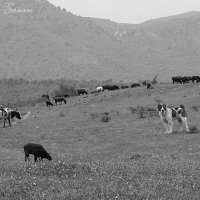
128	11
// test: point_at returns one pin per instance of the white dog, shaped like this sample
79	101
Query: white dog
167	116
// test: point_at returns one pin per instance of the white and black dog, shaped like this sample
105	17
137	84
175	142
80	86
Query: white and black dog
168	115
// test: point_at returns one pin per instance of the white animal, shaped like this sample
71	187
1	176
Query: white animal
168	115
99	89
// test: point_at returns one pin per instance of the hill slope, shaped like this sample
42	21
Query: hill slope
50	43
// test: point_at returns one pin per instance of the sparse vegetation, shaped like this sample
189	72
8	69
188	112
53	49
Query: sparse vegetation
196	108
144	111
193	129
141	111
133	110
61	114
105	117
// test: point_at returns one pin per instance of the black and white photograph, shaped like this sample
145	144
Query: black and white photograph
99	99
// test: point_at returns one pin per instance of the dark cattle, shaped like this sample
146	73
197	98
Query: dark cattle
48	103
110	87
195	78
135	85
10	114
59	99
114	87
81	91
106	87
149	85
124	86
177	79
37	150
185	79
93	92
45	96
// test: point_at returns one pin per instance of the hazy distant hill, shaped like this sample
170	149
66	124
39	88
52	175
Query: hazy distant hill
51	43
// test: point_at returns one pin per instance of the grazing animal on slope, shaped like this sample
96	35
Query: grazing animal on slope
37	150
124	86
135	85
48	103
168	115
81	91
10	114
59	99
99	89
110	87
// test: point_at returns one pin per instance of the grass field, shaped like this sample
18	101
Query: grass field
126	156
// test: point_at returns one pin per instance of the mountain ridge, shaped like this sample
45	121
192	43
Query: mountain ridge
51	43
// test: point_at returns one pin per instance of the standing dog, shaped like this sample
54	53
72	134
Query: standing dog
168	115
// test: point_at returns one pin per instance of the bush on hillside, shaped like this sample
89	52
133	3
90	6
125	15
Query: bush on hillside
105	117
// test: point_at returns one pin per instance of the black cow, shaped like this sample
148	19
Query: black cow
81	91
93	92
59	99
177	79
124	86
135	85
48	103
195	78
37	150
110	87
185	79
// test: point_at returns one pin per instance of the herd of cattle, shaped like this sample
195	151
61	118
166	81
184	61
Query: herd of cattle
59	99
185	79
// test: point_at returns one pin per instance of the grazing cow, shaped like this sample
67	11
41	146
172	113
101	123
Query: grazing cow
99	89
94	92
177	79
124	86
135	85
10	114
106	87
59	99
114	87
195	78
37	150
185	79
48	103
81	91
110	87
45	96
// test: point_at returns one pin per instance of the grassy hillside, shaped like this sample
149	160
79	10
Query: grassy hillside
50	43
128	157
